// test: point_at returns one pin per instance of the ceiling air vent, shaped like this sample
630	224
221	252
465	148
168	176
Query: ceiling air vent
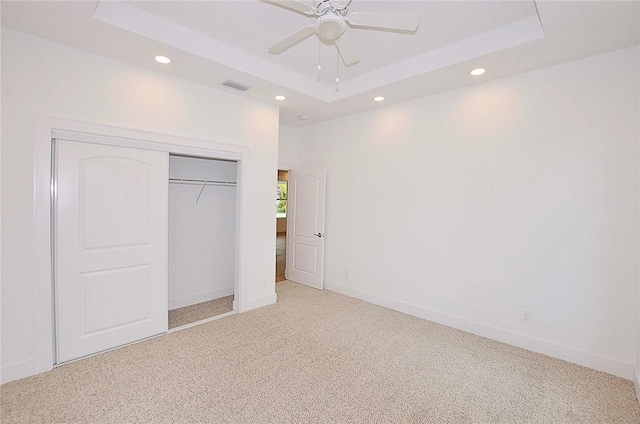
236	85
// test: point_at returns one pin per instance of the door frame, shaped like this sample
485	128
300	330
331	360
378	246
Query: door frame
285	169
48	128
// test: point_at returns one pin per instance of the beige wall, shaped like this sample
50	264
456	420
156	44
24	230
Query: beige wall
287	147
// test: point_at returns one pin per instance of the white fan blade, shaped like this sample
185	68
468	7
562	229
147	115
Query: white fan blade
347	49
294	5
292	40
384	21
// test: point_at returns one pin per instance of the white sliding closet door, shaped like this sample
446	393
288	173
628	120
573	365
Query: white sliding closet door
111	246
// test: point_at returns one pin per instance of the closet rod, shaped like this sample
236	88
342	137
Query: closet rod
201	182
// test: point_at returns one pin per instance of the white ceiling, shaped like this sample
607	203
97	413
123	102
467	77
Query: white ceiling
211	41
255	26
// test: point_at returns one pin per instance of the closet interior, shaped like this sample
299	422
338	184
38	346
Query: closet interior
202	237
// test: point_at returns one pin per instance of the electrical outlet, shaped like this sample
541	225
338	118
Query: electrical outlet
264	282
347	275
525	316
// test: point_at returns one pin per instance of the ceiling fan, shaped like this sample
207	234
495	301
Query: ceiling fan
332	18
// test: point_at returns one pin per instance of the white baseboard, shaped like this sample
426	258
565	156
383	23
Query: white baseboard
17	371
566	353
636	384
260	302
180	302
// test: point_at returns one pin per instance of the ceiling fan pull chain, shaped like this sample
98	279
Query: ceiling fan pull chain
319	59
337	66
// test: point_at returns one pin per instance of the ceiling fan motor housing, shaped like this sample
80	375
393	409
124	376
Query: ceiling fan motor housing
330	27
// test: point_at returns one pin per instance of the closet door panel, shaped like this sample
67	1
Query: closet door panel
114	205
111	246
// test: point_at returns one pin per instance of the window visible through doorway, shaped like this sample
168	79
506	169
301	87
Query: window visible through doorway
281	200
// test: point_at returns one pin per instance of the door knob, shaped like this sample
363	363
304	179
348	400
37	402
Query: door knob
318	235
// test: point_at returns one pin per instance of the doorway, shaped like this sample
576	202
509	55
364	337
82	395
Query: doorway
202	215
305	226
281	225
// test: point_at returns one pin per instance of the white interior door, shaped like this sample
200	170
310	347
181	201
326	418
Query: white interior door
305	226
111	246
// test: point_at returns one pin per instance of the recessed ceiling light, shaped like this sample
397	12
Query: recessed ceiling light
280	98
478	71
378	98
163	59
303	117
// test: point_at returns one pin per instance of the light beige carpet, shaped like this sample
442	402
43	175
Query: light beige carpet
200	311
317	356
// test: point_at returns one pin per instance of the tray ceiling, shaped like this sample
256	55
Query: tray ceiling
211	41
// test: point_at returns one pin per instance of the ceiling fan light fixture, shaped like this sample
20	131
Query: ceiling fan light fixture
478	71
280	98
378	98
330	27
331	20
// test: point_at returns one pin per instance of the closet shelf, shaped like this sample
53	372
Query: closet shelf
202	183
